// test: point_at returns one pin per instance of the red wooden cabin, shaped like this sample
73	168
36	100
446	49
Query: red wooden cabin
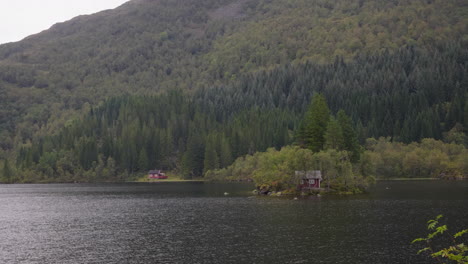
156	174
309	179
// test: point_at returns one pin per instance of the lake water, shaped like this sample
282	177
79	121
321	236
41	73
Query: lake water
197	223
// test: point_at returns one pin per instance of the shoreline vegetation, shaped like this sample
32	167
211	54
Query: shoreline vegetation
328	143
323	142
382	160
255	191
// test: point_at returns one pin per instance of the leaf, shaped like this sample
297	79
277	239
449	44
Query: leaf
456	257
417	240
460	233
451	248
432	224
432	235
442	229
439	230
424	249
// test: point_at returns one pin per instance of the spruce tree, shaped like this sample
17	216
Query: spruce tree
211	157
225	155
351	142
7	172
334	135
316	120
143	160
192	160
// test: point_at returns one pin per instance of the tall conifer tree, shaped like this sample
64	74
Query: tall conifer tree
143	160
334	135
211	157
7	172
351	142
316	120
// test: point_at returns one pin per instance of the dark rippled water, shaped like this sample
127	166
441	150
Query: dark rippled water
197	223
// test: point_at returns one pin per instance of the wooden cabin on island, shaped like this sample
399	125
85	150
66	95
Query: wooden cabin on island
156	174
309	179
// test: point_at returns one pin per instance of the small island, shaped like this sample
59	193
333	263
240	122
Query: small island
287	172
325	148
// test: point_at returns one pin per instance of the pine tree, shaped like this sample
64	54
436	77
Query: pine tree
7	172
225	154
465	113
300	136
143	160
211	157
334	135
316	120
351	142
111	167
192	160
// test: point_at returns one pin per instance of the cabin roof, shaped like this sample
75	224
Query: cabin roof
313	174
154	171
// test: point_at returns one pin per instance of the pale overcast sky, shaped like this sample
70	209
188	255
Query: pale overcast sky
21	18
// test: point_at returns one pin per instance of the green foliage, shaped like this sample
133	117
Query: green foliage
170	131
315	123
143	160
211	161
350	139
456	252
7	172
275	169
192	161
456	135
334	138
430	158
284	31
225	152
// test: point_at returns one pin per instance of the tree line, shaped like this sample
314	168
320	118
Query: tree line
133	134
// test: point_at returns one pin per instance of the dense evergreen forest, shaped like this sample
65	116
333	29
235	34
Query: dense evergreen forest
394	94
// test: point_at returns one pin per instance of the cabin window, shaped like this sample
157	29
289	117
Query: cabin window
312	181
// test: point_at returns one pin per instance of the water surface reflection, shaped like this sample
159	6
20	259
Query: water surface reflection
197	223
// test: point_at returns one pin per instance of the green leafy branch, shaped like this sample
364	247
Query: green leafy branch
455	252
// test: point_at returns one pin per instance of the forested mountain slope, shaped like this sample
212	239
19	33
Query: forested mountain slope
144	47
406	95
